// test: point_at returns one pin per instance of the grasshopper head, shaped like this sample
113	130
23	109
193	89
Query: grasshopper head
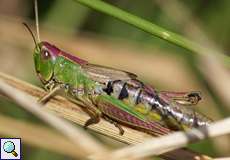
44	58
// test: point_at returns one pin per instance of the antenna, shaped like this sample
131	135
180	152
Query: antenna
36	19
30	31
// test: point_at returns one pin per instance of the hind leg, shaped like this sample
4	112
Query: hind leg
121	130
95	116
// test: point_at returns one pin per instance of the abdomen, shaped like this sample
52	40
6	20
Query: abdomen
145	100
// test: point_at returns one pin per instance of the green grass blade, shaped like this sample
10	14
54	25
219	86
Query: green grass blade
149	27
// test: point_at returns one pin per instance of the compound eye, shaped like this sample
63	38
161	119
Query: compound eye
45	54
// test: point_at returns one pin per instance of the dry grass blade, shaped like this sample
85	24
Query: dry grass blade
29	132
225	158
171	142
219	82
64	108
63	126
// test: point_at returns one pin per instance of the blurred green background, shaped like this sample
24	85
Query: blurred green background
106	41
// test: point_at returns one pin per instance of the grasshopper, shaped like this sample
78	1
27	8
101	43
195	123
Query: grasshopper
113	94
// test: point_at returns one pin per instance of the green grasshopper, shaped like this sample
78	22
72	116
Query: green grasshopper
115	95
